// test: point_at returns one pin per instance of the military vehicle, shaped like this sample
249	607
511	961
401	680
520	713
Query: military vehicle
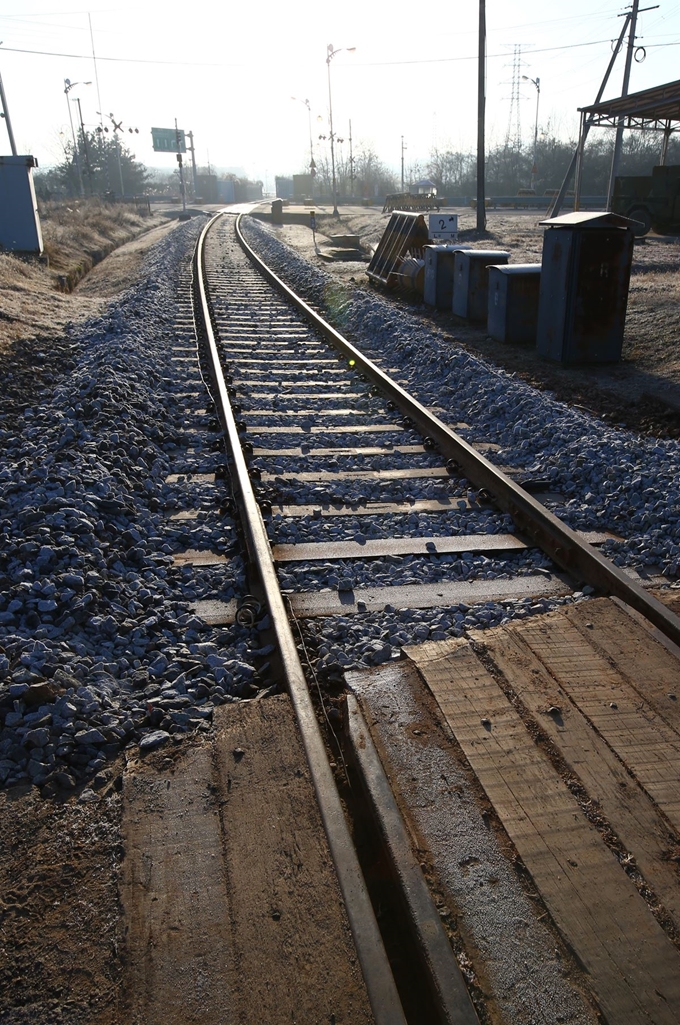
651	200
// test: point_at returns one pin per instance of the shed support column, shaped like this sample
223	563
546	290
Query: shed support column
666	139
579	163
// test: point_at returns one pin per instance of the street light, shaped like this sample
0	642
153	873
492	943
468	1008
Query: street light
68	85
537	83
330	54
312	165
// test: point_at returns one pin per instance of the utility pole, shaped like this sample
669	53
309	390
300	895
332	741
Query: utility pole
402	163
481	107
68	85
556	205
5	114
193	161
618	145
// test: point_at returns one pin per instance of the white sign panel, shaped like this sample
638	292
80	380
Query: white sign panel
444	226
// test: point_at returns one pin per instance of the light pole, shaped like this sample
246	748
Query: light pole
85	149
68	85
537	82
330	54
403	147
312	165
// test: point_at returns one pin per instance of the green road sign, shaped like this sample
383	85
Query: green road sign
168	140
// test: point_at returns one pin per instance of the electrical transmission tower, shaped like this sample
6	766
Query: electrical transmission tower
513	137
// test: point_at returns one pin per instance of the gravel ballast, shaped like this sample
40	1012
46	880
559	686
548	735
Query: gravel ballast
99	646
610	479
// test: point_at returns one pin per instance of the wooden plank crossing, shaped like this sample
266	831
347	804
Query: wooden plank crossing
619	798
547	664
630	725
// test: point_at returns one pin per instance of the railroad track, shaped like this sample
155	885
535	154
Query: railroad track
355	500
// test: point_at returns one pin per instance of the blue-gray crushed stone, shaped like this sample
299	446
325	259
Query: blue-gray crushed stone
610	479
99	646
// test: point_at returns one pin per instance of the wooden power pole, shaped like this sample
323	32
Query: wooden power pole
481	106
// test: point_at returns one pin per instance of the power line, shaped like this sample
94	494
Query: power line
368	64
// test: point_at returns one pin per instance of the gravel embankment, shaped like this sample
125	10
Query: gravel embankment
98	643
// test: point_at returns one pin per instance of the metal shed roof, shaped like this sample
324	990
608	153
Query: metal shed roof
651	108
588	219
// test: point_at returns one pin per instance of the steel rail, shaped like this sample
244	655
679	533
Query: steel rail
380	985
549	533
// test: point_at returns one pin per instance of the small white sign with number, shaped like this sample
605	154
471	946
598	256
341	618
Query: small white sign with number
444	226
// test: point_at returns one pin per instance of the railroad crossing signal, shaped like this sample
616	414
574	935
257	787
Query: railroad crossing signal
168	140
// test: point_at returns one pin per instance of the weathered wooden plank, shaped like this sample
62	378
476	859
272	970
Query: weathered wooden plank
633	967
233	910
632	728
651	669
175	896
292	942
624	804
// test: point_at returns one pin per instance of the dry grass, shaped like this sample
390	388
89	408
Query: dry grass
79	234
76	236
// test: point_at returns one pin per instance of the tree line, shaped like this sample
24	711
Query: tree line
108	168
508	168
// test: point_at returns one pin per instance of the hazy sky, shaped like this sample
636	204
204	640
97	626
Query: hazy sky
228	71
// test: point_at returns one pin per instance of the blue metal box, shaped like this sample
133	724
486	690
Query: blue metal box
20	224
471	281
439	261
513	302
584	287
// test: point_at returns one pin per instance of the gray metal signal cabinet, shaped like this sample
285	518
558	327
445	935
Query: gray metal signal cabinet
471	281
19	221
585	274
439	262
513	302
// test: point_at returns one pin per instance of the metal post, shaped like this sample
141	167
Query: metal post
193	161
579	162
330	51
67	88
5	114
120	164
537	82
85	148
618	145
556	205
481	106
666	139
312	165
181	171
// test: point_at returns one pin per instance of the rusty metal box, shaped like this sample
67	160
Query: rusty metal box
585	276
513	302
438	288
471	281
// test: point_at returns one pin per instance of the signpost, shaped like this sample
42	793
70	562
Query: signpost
444	226
172	140
168	140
